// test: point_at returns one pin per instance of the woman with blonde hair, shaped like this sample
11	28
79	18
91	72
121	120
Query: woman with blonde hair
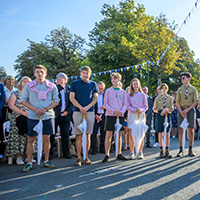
136	106
17	139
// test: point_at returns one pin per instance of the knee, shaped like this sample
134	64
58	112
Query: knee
31	140
46	139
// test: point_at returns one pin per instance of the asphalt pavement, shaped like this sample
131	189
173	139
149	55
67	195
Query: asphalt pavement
150	178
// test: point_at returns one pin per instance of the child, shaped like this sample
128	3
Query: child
136	103
115	104
163	105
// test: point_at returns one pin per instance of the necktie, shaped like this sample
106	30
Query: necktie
164	101
186	92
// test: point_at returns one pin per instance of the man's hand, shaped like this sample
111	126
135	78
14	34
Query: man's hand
184	114
102	107
65	113
39	112
83	111
117	112
98	118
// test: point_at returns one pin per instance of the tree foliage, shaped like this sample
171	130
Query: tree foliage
60	52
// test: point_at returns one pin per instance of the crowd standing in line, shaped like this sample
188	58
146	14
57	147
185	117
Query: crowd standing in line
59	105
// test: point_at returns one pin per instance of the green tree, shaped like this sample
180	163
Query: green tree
2	72
60	52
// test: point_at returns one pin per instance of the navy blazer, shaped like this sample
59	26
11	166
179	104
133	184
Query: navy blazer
68	103
2	98
150	105
96	105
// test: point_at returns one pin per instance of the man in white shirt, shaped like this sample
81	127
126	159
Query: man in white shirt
99	121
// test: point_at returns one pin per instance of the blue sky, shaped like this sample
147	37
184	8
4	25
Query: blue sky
34	19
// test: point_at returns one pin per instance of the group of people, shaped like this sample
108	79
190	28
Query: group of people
59	105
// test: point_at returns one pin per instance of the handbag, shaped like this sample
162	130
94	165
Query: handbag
22	125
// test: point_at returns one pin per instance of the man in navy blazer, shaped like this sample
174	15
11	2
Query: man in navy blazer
63	113
2	102
99	121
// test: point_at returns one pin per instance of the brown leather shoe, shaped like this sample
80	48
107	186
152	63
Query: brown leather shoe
78	163
87	161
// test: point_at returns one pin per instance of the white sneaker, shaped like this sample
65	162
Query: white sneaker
33	160
156	145
140	155
19	161
131	156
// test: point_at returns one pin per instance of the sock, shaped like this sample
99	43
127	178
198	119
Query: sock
45	161
29	163
190	148
161	148
180	149
167	148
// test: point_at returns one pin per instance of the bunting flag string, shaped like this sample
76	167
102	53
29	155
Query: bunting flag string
195	6
140	66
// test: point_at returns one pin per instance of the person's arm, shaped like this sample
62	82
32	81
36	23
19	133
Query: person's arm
2	101
129	107
93	102
106	100
124	108
155	106
11	104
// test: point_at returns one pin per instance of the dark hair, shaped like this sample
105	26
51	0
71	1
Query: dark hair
86	68
187	74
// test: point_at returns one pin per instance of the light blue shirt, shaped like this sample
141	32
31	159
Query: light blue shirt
32	97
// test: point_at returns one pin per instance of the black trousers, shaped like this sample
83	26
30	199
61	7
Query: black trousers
148	133
64	130
94	135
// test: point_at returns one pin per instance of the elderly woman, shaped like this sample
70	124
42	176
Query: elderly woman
17	140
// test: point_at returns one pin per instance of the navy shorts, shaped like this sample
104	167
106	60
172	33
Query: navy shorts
110	122
48	127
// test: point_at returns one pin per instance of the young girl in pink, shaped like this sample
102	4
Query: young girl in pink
136	103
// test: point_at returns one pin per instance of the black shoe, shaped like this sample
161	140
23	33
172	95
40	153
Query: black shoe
168	154
161	154
148	146
94	152
191	153
180	154
105	159
67	156
120	157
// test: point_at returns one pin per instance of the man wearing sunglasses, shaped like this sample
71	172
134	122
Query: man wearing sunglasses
186	100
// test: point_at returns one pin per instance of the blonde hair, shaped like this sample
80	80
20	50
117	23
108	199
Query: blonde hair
131	86
7	77
19	85
128	89
116	75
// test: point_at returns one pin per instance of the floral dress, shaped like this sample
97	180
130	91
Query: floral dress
16	143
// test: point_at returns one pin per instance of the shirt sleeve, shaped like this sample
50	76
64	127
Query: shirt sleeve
2	97
145	103
195	95
129	107
25	93
123	110
55	95
106	102
96	90
72	89
155	105
178	97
